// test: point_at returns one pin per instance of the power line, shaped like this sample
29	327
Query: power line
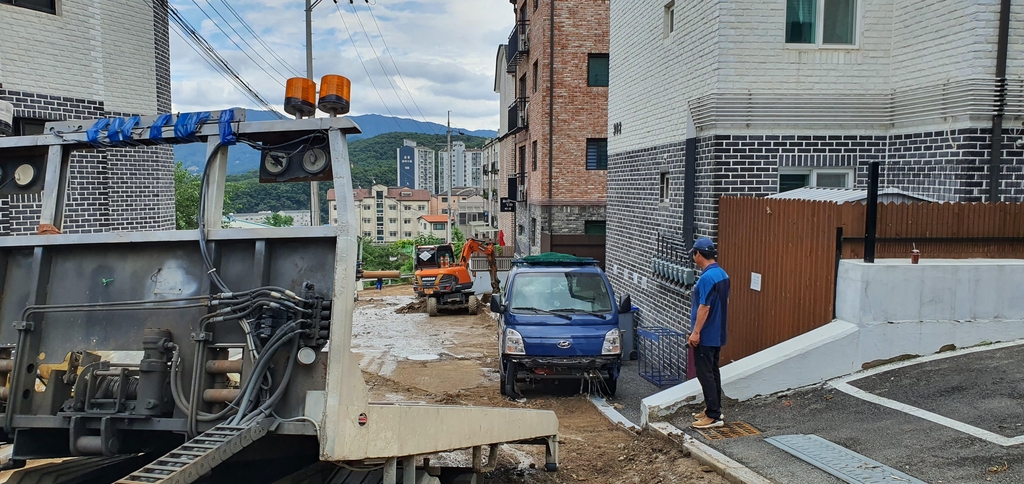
238	46
376	56
247	44
260	40
400	77
191	36
367	71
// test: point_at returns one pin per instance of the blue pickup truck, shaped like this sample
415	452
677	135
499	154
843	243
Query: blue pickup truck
558	319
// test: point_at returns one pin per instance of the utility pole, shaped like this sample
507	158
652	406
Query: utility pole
314	186
450	174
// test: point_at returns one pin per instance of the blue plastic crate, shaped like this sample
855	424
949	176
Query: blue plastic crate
662	355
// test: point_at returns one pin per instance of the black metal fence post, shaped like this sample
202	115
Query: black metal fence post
871	220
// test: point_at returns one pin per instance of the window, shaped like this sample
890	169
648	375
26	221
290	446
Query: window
438	226
522	86
406	207
48	6
522	162
28	126
407	221
597	154
366	220
597	70
444	199
408	234
533	230
366	234
670	18
820	178
595	227
392	220
392	234
380	195
535	78
821	22
421	207
664	188
444	211
367	207
534	156
392	207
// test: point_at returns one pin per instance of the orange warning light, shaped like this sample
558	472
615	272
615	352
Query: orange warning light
335	93
300	97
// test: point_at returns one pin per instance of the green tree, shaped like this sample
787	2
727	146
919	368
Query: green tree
279	220
458	240
186	198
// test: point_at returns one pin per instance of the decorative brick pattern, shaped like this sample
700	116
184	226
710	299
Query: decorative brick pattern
944	165
108	189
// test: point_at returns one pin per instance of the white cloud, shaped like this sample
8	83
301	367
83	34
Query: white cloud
444	49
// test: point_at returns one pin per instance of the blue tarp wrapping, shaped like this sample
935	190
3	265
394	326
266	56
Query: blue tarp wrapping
156	132
227	134
92	135
114	131
187	125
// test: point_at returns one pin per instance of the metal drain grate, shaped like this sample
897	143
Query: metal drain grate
731	430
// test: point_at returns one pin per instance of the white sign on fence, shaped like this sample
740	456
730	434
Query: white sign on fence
755	281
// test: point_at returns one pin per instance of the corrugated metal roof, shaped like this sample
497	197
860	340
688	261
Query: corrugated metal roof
844	195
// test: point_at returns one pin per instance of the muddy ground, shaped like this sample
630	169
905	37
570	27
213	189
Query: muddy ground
452	359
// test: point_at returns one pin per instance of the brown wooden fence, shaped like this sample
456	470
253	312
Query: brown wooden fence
793	246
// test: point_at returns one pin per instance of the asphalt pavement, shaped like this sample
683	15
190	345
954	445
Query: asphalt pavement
983	389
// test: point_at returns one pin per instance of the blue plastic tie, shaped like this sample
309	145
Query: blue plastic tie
92	135
227	134
156	131
114	132
187	125
129	124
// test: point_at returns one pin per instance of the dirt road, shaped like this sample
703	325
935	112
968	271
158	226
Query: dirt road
452	359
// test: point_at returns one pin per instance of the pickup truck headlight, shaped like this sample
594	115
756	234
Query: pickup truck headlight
514	343
612	343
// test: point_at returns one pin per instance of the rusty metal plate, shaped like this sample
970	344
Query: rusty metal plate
731	430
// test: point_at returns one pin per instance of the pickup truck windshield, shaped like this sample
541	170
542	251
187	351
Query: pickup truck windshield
554	291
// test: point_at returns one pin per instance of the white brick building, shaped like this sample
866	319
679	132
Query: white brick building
749	97
86	59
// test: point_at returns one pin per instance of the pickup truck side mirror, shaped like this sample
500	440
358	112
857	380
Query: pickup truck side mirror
626	305
496	306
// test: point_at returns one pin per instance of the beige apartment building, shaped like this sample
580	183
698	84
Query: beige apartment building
387	214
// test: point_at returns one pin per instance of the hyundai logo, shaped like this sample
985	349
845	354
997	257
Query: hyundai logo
564	344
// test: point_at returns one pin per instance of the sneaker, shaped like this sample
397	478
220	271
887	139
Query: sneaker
702	415
707	423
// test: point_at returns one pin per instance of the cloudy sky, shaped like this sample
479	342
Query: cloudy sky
444	49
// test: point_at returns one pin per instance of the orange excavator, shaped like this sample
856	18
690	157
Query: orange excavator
445	281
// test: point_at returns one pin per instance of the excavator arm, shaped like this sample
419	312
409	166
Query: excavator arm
476	246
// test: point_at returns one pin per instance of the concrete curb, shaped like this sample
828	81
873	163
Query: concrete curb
612	414
731	470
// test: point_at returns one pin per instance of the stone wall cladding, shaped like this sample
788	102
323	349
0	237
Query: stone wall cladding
945	165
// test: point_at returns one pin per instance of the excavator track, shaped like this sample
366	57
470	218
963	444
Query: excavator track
197	457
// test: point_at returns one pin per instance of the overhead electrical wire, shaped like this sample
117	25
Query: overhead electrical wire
246	42
202	47
243	51
367	71
387	49
260	40
382	68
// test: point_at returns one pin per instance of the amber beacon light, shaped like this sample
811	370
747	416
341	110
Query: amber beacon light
300	97
335	93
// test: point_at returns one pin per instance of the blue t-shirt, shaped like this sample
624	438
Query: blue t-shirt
712	290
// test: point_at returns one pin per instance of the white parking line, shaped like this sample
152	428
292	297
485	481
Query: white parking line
843	385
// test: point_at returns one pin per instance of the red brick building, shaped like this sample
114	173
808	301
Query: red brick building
554	137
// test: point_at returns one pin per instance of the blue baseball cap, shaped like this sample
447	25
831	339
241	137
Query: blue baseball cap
703	244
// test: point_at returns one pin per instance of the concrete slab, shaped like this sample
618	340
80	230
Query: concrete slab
631	390
927	450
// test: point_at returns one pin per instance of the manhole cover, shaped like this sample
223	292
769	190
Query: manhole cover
729	431
424	357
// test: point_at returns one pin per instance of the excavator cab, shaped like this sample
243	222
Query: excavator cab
445	281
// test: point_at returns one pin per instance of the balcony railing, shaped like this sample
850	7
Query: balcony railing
517	114
518	44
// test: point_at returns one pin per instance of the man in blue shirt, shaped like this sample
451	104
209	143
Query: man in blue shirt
708	316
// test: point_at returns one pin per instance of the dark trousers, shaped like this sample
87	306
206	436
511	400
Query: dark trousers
705	358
